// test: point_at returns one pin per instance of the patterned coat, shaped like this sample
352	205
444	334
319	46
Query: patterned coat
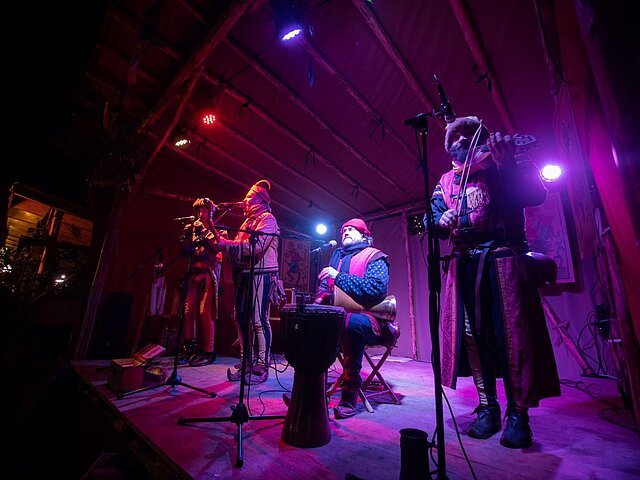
489	278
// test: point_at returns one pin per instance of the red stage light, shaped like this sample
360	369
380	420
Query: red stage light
208	119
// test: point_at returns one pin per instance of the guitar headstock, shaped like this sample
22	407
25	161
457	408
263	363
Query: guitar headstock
524	143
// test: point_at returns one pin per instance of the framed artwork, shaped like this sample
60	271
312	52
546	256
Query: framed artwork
295	264
547	233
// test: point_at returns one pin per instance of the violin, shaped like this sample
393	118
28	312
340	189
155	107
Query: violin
482	158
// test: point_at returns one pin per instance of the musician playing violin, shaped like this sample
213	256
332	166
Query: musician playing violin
492	321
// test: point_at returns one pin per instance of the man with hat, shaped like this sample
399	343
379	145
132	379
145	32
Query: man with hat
492	322
362	272
252	294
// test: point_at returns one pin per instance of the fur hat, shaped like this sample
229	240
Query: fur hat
358	224
462	123
262	188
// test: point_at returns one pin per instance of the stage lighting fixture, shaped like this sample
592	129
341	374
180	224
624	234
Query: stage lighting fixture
551	173
321	229
288	16
208	118
182	138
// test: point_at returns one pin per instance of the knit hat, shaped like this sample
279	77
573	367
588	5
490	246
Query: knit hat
262	188
462	123
358	224
202	203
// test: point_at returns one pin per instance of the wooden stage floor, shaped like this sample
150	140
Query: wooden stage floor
576	436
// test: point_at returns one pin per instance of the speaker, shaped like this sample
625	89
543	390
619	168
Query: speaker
116	324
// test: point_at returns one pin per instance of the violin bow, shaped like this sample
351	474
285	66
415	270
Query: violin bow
466	170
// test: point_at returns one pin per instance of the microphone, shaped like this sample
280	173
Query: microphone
419	121
329	244
229	205
446	110
190	218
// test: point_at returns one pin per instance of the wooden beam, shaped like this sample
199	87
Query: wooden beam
253	60
216	34
321	60
366	10
227	177
470	35
289	168
262	112
107	49
176	118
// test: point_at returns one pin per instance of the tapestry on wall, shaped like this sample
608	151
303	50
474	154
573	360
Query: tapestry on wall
547	233
295	264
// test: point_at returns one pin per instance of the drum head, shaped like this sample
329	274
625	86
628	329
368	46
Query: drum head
311	335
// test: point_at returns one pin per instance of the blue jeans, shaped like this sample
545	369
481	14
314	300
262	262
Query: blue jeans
357	335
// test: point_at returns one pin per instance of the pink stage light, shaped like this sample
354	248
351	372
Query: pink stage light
551	173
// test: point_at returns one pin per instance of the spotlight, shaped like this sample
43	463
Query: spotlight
321	229
182	138
208	118
551	173
288	15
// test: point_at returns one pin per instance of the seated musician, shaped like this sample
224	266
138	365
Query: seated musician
362	272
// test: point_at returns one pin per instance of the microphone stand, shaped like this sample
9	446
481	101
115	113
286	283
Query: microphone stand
434	282
239	412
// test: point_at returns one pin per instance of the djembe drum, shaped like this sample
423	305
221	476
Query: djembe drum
311	336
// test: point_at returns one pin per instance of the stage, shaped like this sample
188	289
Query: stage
572	438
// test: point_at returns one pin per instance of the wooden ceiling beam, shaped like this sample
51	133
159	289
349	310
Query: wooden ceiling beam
262	113
216	34
127	20
463	17
275	81
290	169
275	123
324	62
367	12
226	176
104	48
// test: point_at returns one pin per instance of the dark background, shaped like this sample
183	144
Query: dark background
44	63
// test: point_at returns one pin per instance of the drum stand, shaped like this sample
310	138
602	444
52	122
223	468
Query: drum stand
433	274
239	412
175	379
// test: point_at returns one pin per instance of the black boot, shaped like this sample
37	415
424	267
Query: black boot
187	350
259	374
517	433
487	423
202	359
347	406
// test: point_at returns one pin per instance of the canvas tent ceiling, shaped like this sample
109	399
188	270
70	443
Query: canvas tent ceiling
321	117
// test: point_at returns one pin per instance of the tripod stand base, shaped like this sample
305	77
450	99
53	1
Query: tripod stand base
173	381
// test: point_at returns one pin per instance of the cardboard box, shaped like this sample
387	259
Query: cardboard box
125	375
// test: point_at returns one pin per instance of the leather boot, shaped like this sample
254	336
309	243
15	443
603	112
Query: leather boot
202	359
346	408
487	423
517	433
259	374
187	350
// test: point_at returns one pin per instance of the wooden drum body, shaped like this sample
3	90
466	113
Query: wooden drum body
311	337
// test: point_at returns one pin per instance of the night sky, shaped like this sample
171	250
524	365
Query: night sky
44	63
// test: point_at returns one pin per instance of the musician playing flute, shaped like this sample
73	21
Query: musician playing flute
203	278
362	272
492	322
